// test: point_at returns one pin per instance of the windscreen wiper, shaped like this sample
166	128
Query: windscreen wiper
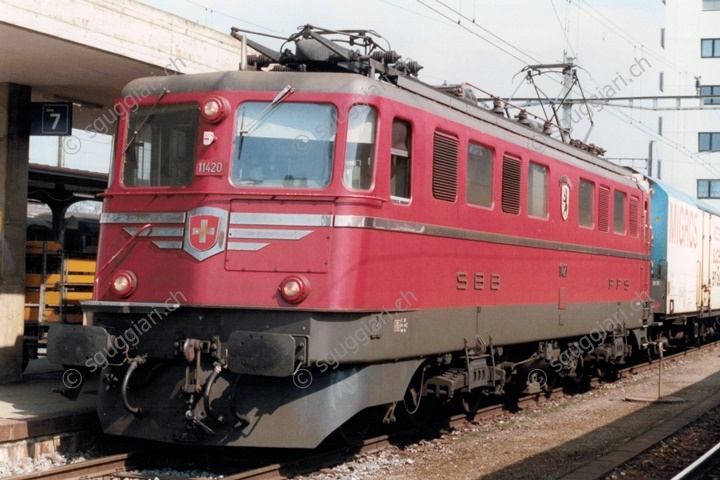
284	93
142	124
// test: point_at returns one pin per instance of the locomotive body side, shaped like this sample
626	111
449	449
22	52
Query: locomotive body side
305	256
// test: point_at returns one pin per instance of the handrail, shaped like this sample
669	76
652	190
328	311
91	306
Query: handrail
130	240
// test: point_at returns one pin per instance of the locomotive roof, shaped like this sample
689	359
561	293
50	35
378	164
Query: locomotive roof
250	80
406	91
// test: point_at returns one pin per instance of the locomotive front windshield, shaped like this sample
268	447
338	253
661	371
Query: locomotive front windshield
286	145
162	144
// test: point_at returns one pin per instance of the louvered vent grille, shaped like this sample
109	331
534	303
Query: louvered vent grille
445	160
604	209
634	216
511	185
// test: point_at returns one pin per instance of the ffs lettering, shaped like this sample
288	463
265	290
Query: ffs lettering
619	283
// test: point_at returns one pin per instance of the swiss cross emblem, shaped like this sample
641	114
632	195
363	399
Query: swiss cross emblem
205	232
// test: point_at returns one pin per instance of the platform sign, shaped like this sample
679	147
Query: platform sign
51	118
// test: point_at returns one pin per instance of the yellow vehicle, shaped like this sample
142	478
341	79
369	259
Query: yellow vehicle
57	279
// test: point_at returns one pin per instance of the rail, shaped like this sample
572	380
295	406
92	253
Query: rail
88	469
693	469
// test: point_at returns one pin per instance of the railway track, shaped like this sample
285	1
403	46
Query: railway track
707	466
98	467
118	466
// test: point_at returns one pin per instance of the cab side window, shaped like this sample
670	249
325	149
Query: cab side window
360	152
400	161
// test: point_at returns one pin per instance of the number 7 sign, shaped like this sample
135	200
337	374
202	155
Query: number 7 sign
51	118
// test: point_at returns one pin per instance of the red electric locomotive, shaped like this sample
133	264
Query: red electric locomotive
282	250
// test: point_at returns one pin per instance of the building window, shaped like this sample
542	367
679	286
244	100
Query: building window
710	91
585	204
660	122
709	142
479	175
400	173
708	188
537	198
710	47
662	37
711	5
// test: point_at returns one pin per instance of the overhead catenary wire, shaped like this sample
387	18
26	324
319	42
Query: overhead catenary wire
521	60
626	36
621	116
564	28
524	57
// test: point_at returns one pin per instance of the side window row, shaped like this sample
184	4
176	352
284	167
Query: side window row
586	209
479	183
537	187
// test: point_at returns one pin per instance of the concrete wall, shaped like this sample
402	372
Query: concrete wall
14	150
130	29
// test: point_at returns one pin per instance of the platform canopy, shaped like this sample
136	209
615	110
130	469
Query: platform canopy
85	51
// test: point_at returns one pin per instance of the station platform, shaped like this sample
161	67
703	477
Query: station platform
35	420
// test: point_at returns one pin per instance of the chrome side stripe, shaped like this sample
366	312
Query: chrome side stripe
281	219
160	217
355	221
379	224
265	233
239	219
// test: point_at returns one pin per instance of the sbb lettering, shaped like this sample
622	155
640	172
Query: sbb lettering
480	281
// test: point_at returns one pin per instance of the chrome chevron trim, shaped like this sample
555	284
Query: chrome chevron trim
158	231
168	244
245	246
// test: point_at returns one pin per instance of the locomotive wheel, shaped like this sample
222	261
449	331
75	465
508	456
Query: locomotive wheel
354	431
550	382
607	372
470	401
579	373
416	408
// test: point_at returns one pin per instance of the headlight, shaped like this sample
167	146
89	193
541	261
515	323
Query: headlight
294	289
124	283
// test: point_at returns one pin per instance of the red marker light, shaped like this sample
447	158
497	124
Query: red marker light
215	109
